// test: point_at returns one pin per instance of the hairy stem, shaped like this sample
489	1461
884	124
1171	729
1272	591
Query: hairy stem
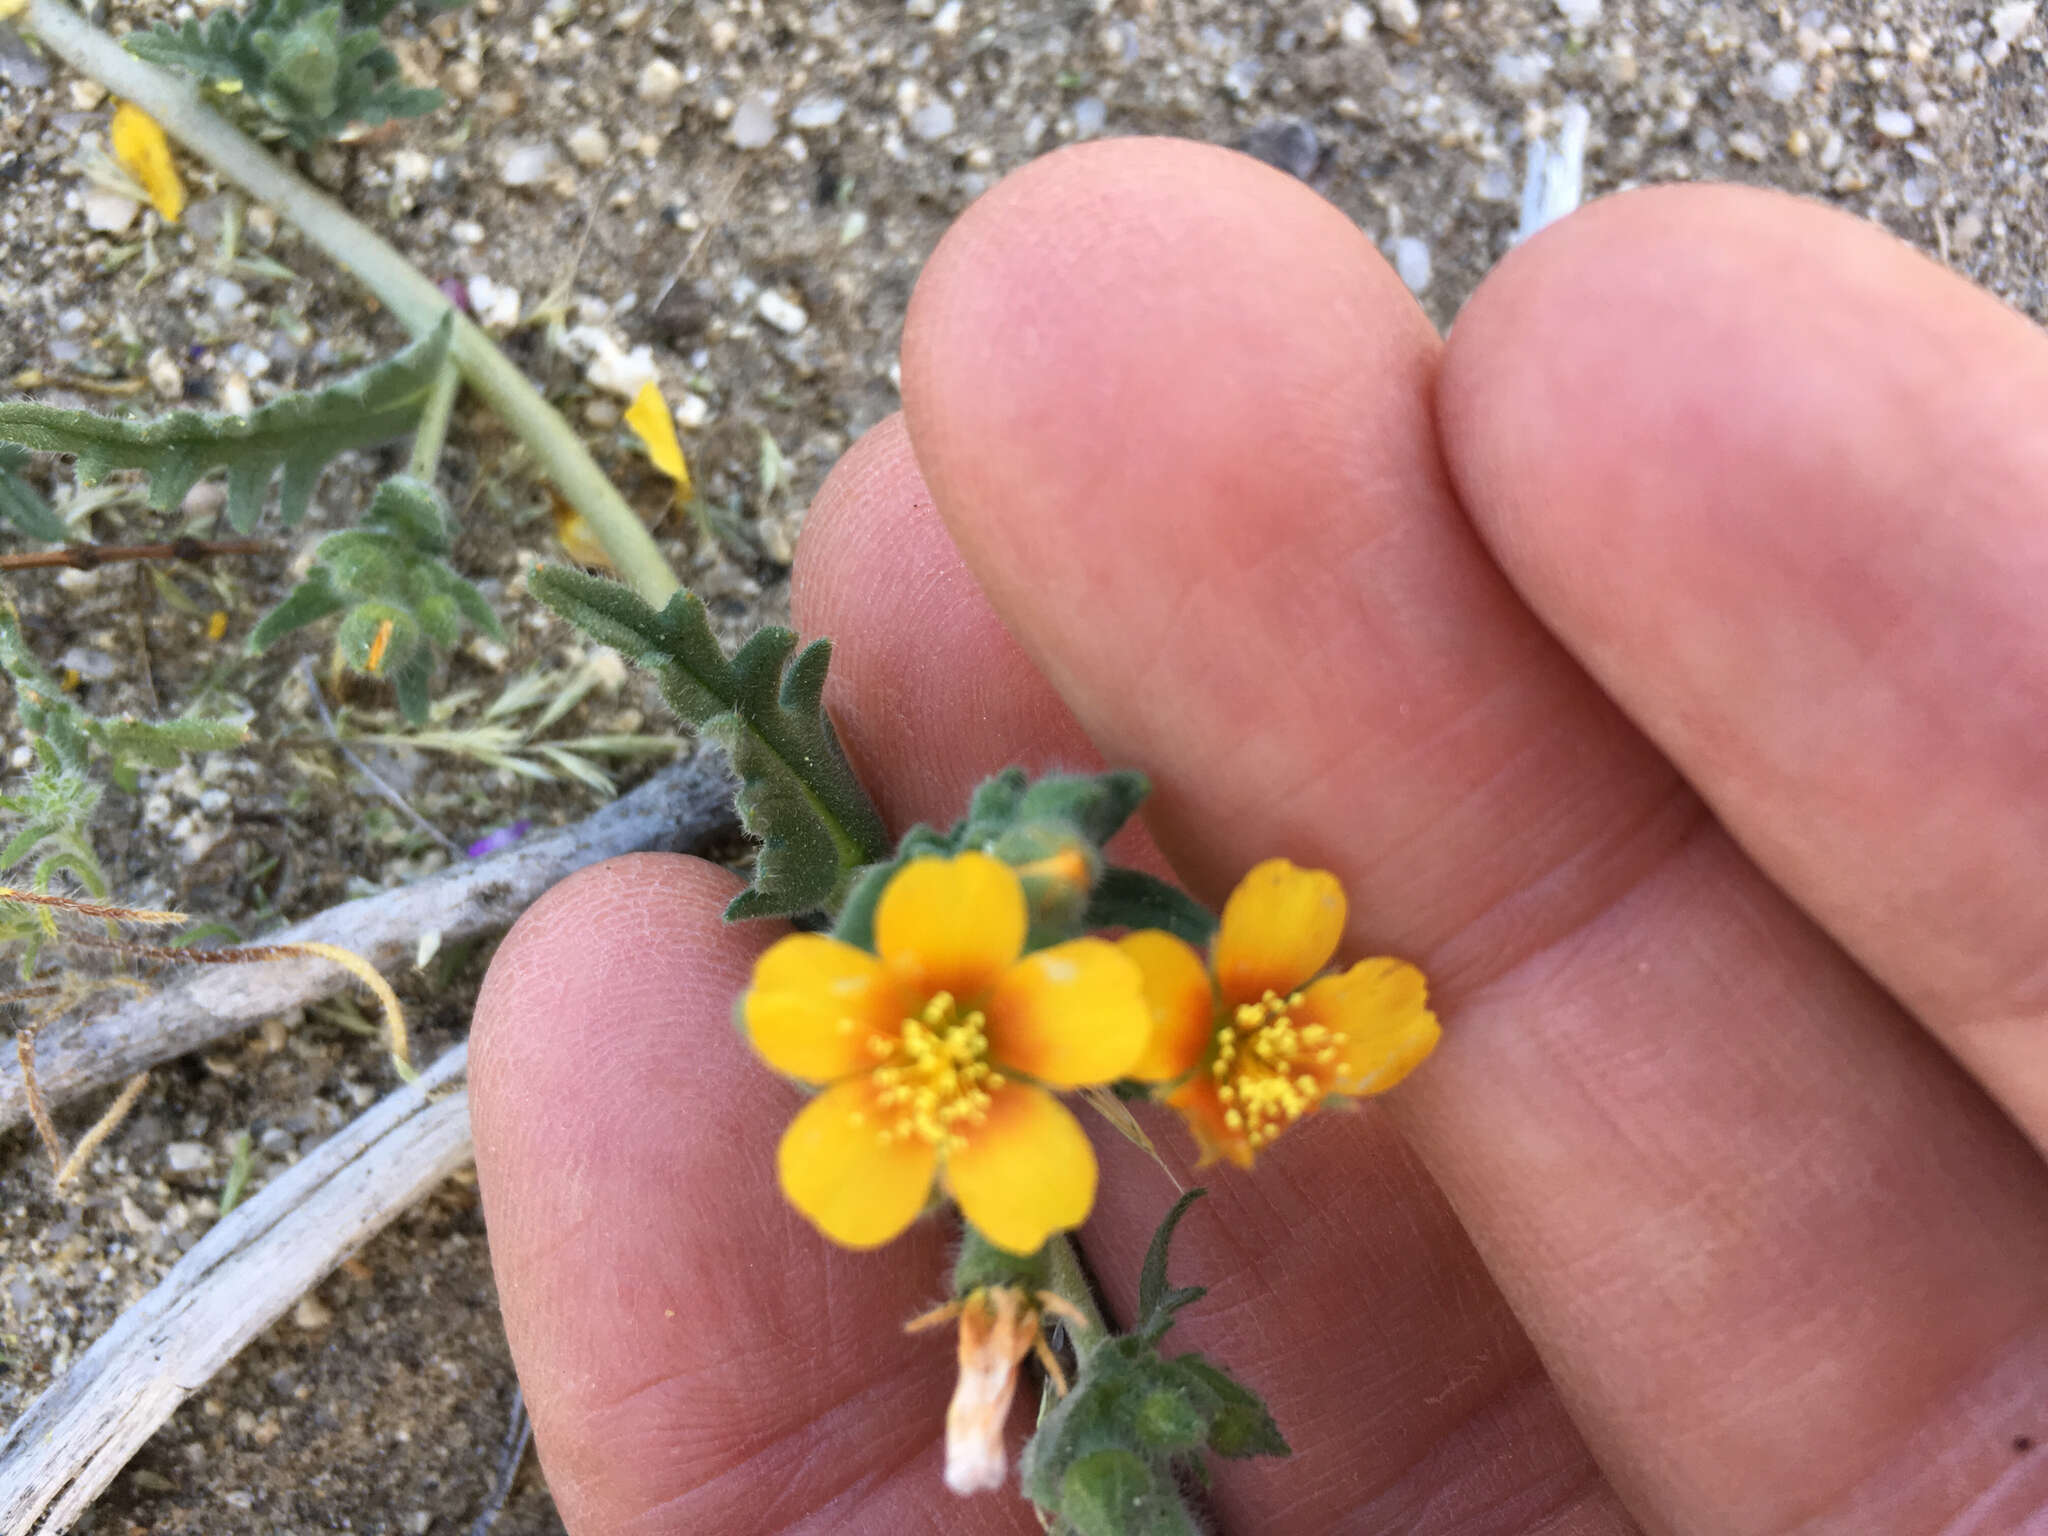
400	286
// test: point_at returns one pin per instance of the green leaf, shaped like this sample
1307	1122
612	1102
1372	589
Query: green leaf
1239	1423
1155	1301
307	68
21	506
296	433
765	707
399	595
1130	898
1116	1493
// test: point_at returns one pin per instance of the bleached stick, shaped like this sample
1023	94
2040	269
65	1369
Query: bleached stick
237	1280
681	807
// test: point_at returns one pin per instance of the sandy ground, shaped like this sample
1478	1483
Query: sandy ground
747	192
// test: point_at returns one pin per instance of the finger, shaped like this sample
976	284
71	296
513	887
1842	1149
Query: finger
695	1358
1423	1407
1834	621
1185	445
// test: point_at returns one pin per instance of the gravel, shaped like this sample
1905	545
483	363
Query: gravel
773	176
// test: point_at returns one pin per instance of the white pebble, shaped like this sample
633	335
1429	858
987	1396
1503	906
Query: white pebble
659	82
1521	71
522	165
753	121
1893	123
467	232
495	304
817	112
164	375
1579	13
1785	80
932	121
2010	22
225	294
785	314
1411	261
1356	25
188	1156
312	1313
1242	78
234	395
1089	116
693	410
589	146
108	212
947	22
1749	146
1402	16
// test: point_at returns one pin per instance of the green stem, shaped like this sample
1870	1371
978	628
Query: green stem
402	287
1065	1278
432	431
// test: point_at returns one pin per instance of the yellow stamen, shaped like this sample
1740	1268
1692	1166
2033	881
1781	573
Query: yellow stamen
1269	1070
934	1081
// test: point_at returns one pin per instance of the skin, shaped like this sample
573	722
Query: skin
1661	663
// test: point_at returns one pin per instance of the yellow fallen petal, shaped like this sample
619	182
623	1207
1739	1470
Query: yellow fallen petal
651	422
1026	1172
145	154
1069	1015
1381	1007
1178	998
816	1003
857	1189
1280	927
579	542
952	925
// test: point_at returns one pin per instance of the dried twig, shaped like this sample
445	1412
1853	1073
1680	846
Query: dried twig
376	782
236	1281
686	805
517	1438
90	557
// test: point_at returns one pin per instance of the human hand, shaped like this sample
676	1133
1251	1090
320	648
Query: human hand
1662	663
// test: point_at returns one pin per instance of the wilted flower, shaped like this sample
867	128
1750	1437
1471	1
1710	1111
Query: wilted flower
999	1326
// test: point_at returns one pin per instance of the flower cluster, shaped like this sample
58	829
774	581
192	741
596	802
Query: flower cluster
939	1051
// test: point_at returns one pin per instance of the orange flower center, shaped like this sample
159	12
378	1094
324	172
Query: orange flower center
1270	1070
934	1075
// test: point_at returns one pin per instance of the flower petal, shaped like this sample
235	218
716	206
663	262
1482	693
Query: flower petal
1180	1000
650	421
816	1003
1280	927
1026	1172
145	154
1070	1015
858	1190
1382	1008
1202	1109
952	925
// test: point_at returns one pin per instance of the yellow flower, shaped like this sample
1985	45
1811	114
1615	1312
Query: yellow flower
1265	1040
936	1053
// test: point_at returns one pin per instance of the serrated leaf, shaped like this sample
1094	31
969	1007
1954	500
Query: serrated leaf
21	506
1152	1292
1131	898
297	433
765	707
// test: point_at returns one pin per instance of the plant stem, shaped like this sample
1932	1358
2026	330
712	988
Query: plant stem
1066	1280
432	432
402	287
87	557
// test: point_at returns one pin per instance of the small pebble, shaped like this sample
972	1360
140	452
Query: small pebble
588	146
1522	71
93	666
660	82
165	376
188	1156
786	315
817	112
524	165
1579	13
1749	146
1090	114
463	79
225	294
947	21
495	305
932	121
1356	24
108	212
1402	16
312	1313
1285	143
753	121
234	395
2010	22
1411	261
1893	123
1785	80
1242	78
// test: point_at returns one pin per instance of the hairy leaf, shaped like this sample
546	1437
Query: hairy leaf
1130	898
21	506
400	596
297	433
1117	1493
765	707
311	68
